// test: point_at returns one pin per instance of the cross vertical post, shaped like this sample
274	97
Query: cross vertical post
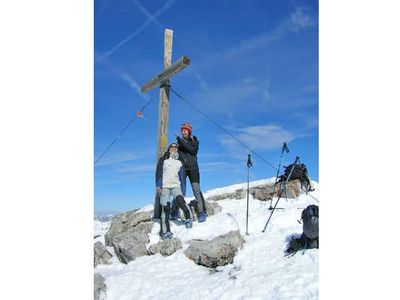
163	106
162	80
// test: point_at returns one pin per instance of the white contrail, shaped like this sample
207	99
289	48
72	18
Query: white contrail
199	78
146	12
150	19
125	77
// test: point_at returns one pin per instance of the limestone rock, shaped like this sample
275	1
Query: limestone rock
238	194
132	243
262	192
293	189
166	247
213	208
129	234
124	222
216	252
99	285
101	255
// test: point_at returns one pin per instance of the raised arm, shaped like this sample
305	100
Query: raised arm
192	148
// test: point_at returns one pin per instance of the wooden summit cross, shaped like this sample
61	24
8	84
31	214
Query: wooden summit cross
162	81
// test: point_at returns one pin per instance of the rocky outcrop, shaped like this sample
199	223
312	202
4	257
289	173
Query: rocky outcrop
216	252
124	222
101	255
99	285
238	194
262	192
166	247
129	234
293	189
213	208
132	243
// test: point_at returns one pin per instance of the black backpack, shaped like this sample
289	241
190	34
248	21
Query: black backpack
299	172
310	237
310	217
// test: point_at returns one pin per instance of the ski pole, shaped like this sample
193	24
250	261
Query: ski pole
286	149
280	192
249	165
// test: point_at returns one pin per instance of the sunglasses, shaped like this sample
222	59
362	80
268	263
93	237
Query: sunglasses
173	146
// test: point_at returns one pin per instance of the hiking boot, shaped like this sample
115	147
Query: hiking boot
189	223
167	236
202	217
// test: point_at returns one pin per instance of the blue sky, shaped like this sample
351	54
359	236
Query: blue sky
254	70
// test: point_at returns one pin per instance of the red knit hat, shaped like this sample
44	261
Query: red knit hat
187	126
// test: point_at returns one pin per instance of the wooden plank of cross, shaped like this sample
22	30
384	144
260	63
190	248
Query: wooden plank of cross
162	80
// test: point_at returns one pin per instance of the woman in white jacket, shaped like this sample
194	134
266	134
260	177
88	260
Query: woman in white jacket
170	181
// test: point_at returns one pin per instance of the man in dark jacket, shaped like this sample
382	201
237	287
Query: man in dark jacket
188	148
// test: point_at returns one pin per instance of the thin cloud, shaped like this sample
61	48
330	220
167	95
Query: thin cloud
124	172
308	120
258	138
300	20
216	166
246	94
297	21
125	76
149	20
137	169
118	158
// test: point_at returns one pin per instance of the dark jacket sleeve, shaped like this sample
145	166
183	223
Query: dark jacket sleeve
159	172
182	180
192	148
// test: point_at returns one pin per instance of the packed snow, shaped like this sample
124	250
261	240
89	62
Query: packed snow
259	270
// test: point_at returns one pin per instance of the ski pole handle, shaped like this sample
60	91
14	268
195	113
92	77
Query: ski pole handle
285	148
249	163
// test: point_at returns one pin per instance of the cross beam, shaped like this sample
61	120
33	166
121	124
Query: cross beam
164	76
162	80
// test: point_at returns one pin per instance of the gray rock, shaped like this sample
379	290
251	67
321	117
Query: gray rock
123	223
216	252
132	243
101	255
166	248
238	194
128	234
293	189
213	208
99	285
262	192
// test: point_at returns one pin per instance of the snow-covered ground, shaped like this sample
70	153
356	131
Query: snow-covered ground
259	270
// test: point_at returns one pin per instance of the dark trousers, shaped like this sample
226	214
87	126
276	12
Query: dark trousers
157	207
164	222
194	177
180	202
